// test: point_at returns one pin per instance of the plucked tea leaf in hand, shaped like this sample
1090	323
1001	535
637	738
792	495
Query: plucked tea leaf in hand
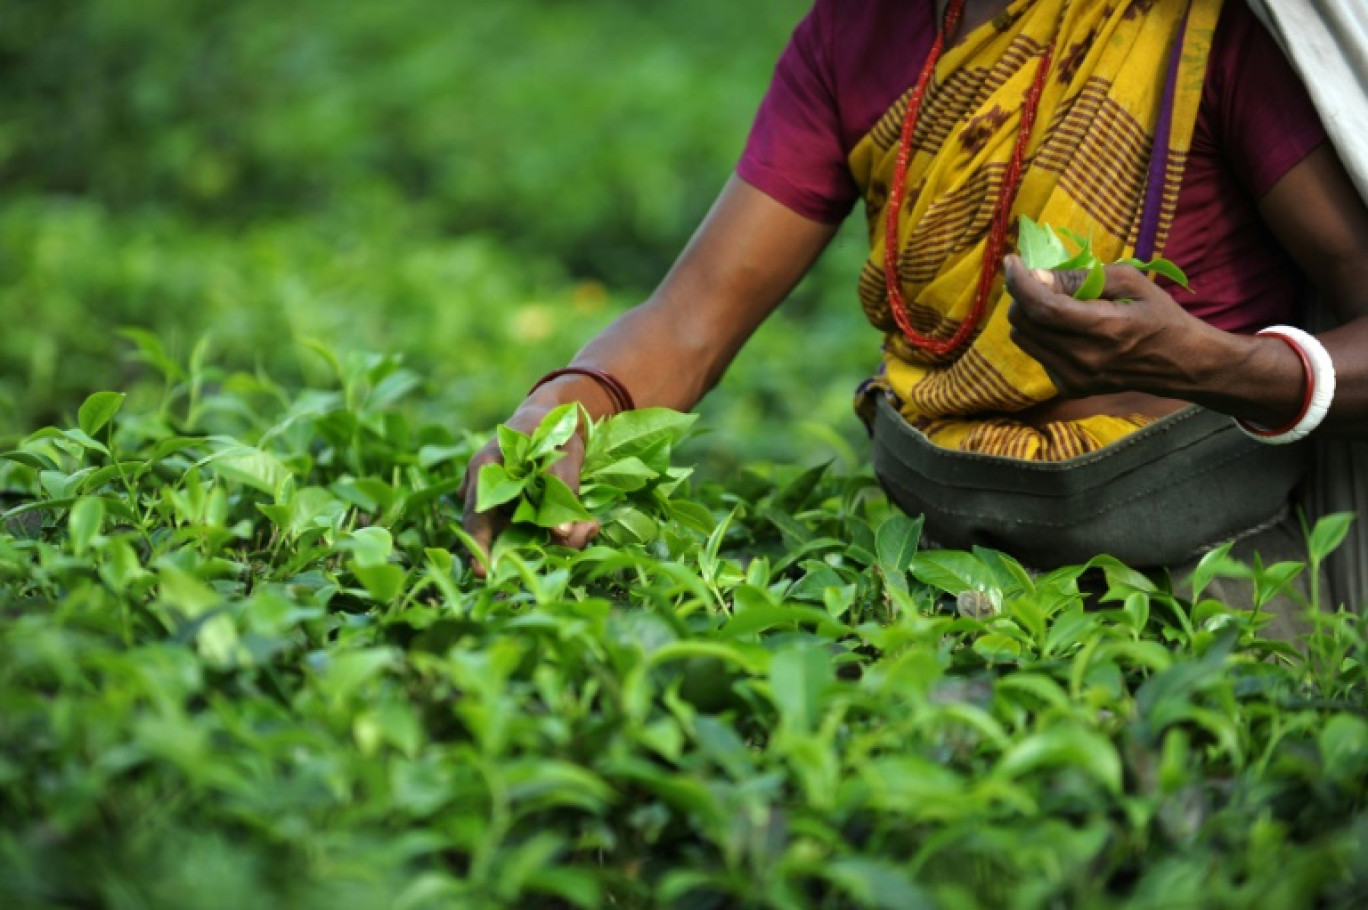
1038	245
1164	267
1040	248
1092	286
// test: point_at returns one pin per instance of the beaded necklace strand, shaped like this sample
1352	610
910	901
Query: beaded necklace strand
997	235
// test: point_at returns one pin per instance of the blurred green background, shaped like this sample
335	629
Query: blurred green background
477	186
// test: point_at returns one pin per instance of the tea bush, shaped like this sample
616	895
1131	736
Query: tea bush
598	130
244	661
479	187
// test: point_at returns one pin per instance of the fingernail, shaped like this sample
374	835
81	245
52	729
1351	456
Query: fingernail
563	529
1044	276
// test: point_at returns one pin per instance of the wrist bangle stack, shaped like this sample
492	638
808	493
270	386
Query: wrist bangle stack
1320	388
621	398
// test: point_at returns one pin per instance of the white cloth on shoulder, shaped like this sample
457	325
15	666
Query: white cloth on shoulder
1327	43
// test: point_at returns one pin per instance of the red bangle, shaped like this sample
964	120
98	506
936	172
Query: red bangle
1307	396
622	399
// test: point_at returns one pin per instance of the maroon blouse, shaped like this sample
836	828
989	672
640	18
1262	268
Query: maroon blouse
849	60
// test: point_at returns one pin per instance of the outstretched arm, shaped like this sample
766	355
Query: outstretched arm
669	351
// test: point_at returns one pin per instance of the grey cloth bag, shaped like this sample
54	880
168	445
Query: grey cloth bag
1159	497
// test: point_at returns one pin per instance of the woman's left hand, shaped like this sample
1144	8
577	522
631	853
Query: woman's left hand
1135	338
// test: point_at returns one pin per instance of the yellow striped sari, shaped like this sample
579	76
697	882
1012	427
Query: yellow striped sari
1086	169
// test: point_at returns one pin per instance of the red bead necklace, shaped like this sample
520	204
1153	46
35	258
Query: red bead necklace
997	234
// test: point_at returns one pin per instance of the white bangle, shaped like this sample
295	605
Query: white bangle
1320	388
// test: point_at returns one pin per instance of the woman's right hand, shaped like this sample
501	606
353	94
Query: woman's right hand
744	259
484	527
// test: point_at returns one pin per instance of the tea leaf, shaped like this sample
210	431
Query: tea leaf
86	517
1064	745
1212	564
876	883
559	504
495	487
370	546
1092	286
1163	267
1328	534
383	582
1344	747
896	544
635	432
554	431
799	678
30	459
953	571
248	465
1038	245
98	410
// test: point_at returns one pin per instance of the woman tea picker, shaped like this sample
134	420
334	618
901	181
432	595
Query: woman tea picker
1006	411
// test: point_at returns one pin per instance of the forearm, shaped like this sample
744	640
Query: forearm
661	359
668	352
1260	379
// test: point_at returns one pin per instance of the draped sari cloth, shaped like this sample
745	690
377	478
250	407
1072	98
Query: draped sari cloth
1087	169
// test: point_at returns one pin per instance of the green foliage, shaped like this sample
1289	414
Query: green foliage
480	188
534	119
626	472
243	661
1041	248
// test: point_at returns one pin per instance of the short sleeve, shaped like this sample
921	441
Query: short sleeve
794	153
1266	123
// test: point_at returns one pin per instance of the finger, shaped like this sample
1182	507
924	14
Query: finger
470	481
1122	281
1126	282
577	534
1036	301
1064	281
1032	290
1060	372
568	468
1041	353
482	527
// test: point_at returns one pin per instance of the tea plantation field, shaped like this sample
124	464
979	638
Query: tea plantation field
272	274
